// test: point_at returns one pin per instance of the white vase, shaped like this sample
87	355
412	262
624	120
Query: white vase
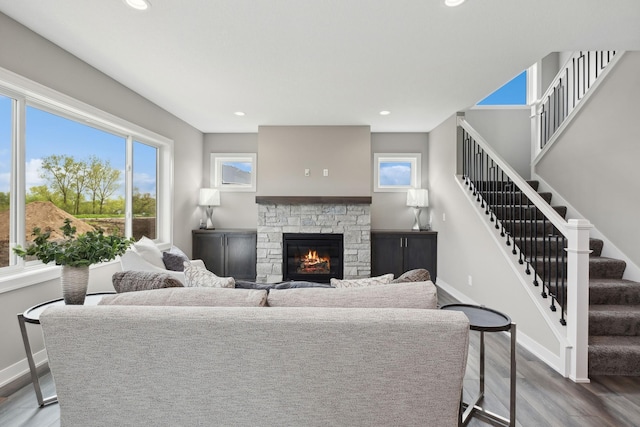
74	281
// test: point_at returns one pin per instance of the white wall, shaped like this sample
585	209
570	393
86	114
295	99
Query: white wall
27	54
594	163
508	131
466	247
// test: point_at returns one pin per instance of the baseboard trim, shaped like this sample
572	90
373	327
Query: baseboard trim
554	361
20	370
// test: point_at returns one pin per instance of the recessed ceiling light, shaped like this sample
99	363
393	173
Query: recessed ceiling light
385	113
239	113
453	3
138	4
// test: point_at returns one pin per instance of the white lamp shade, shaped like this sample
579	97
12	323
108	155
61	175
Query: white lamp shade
418	197
209	197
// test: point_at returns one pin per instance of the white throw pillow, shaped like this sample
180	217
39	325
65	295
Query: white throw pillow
196	276
149	252
385	279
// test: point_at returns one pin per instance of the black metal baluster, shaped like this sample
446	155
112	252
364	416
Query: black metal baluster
553	291
535	253
544	257
563	305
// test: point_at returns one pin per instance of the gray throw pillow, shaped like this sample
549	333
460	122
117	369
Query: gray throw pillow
129	281
417	275
174	259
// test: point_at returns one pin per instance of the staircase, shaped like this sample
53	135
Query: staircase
614	303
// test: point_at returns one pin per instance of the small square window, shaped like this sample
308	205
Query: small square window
233	171
396	172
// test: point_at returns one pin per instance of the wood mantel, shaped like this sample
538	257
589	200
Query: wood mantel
304	200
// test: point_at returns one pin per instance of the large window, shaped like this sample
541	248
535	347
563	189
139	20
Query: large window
6	132
60	158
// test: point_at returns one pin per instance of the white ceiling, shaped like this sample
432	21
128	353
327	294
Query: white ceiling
323	62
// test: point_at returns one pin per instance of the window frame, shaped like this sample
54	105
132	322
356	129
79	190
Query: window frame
415	159
26	92
216	171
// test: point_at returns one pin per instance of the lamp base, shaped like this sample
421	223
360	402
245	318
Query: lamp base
416	222
209	225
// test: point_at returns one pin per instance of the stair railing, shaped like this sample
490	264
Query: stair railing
553	252
570	86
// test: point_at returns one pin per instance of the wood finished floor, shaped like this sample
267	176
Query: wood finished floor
544	398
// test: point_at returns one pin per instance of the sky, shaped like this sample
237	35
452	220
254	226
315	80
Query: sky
49	134
514	92
394	173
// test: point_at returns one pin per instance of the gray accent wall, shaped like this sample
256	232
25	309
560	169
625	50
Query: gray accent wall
284	152
594	163
29	55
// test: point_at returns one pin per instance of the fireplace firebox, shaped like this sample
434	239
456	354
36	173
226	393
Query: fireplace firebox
313	257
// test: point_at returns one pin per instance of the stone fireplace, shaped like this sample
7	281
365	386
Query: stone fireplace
348	216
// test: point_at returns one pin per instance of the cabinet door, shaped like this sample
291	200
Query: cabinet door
386	254
241	256
421	252
209	247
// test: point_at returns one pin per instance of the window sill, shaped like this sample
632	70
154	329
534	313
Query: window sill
33	275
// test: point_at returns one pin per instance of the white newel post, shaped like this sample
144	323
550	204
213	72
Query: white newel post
578	297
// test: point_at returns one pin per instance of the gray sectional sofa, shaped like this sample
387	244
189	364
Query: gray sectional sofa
245	357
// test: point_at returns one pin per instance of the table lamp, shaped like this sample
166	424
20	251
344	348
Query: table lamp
417	198
209	197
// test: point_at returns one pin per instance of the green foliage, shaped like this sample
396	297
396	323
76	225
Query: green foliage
85	249
5	201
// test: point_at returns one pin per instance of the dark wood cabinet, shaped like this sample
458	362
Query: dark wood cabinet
227	253
399	251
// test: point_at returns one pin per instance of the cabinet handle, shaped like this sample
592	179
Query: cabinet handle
406	242
401	241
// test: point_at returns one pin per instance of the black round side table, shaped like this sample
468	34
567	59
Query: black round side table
32	315
484	319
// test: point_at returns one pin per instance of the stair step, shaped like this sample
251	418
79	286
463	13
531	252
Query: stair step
509	198
500	185
614	320
596	246
529	228
614	355
543	245
606	268
507	212
613	291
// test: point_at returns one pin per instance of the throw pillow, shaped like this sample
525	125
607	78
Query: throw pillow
196	276
174	259
417	275
149	252
401	295
355	283
129	281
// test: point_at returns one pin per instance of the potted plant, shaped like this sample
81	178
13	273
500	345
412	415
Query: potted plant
75	254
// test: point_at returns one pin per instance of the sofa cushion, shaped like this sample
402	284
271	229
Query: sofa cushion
174	259
149	251
212	297
400	295
129	281
196	276
368	281
417	275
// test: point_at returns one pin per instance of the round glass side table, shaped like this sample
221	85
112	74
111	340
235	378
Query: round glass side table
32	315
483	319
